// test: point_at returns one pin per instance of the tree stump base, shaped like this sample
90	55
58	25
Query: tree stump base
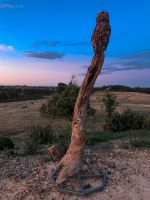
84	182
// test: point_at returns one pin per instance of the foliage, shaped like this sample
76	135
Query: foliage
30	146
6	142
62	104
127	120
147	123
97	137
61	87
115	121
19	93
63	139
109	103
122	88
9	152
39	135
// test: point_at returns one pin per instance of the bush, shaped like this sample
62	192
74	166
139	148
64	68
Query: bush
109	103
127	120
6	143
146	124
63	139
61	87
30	146
41	135
62	104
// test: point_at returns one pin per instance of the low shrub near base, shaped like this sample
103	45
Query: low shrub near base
6	143
147	123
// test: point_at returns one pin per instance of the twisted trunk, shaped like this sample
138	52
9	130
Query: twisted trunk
71	163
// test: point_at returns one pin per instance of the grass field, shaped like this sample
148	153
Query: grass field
17	118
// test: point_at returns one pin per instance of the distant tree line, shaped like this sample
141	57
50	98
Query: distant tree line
20	93
122	88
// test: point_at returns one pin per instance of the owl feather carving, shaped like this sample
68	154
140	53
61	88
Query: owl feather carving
101	33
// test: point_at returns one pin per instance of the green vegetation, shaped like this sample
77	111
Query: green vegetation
147	123
122	88
6	143
97	137
139	143
62	104
20	93
39	135
115	121
109	105
127	120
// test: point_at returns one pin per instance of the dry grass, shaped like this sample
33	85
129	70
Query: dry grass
17	118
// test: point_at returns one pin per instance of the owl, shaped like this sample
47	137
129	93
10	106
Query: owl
101	33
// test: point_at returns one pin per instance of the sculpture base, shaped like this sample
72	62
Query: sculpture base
83	183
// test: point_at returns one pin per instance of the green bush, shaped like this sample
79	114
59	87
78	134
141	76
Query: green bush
6	142
62	104
63	139
147	123
30	146
127	120
109	104
41	135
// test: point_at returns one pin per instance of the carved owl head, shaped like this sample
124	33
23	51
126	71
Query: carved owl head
103	16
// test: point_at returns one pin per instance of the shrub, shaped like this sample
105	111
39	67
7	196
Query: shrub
127	120
146	124
41	135
109	104
61	87
6	142
62	104
63	139
30	146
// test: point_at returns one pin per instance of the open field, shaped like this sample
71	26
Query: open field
16	118
27	177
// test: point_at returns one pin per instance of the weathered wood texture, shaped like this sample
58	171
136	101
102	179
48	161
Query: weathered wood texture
71	163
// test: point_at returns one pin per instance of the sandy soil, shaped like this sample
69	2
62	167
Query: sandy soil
27	178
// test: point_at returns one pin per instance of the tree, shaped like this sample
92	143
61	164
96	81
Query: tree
71	163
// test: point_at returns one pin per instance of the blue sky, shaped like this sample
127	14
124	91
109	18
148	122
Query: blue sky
45	42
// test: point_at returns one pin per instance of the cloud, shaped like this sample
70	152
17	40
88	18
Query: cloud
10	6
138	61
4	47
44	55
45	43
52	43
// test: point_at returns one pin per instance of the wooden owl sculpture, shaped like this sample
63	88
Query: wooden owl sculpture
101	33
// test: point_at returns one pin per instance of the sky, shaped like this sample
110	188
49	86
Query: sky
43	42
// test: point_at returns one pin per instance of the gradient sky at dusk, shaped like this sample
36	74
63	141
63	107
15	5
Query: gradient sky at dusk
43	42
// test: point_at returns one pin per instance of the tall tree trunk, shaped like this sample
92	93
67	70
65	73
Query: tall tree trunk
71	163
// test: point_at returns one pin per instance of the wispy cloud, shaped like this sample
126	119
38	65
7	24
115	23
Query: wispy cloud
138	61
52	43
44	55
4	47
10	6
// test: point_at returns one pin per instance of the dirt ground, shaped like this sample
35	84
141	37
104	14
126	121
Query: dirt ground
27	177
